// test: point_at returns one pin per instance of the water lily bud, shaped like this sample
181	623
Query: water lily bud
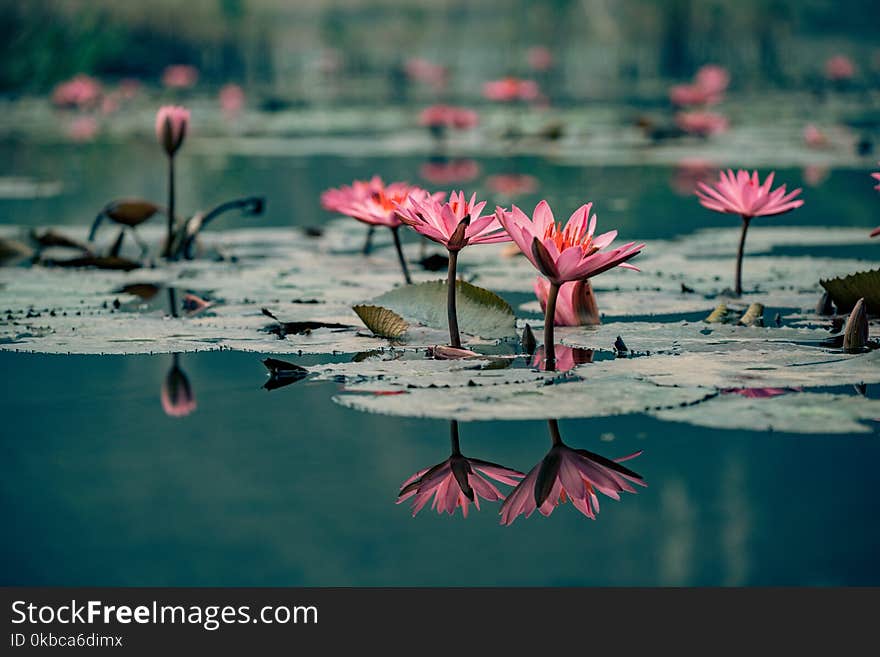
528	340
171	125
855	333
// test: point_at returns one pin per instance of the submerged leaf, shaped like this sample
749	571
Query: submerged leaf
384	323
480	312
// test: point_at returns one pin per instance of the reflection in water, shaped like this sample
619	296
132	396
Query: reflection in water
567	473
178	399
567	358
456	481
282	373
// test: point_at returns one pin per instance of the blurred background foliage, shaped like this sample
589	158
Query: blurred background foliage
601	48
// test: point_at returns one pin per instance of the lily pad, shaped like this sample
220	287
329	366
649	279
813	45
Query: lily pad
384	323
847	290
480	312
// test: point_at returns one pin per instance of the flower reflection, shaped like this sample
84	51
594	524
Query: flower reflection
457	481
566	473
451	172
177	396
567	358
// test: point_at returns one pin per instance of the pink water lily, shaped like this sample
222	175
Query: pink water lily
339	197
712	78
80	92
455	224
563	254
378	204
575	305
456	482
876	176
510	88
180	76
448	116
839	68
569	474
172	122
745	195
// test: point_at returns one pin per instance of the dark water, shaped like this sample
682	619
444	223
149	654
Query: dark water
643	202
285	488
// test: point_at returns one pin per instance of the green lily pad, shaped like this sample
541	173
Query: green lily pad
480	312
846	290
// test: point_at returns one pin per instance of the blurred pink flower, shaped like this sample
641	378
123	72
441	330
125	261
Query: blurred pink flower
567	473
692	94
814	137
539	58
381	206
510	88
512	184
712	78
576	304
80	92
745	195
180	76
82	129
456	482
454	223
427	72
171	125
451	172
566	253
231	99
876	176
338	197
448	116
839	67
177	396
566	358
702	124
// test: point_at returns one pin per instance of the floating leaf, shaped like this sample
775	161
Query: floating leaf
480	312
384	323
847	290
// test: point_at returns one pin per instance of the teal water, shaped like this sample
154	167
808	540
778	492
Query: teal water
100	487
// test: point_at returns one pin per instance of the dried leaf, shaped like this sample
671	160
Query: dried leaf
384	323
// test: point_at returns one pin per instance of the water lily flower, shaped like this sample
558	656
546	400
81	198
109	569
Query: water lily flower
180	76
510	88
745	195
876	176
539	58
427	72
448	116
80	92
566	473
708	87
172	122
712	78
454	224
575	305
337	198
444	173
381	207
231	99
563	254
177	396
839	68
702	124
456	482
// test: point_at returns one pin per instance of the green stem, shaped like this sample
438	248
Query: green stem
549	318
169	244
396	232
739	255
451	313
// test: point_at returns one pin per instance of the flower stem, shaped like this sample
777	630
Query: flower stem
453	436
451	312
396	232
170	239
549	318
554	432
368	242
739	255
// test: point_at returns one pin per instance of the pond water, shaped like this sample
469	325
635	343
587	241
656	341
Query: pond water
286	487
100	487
